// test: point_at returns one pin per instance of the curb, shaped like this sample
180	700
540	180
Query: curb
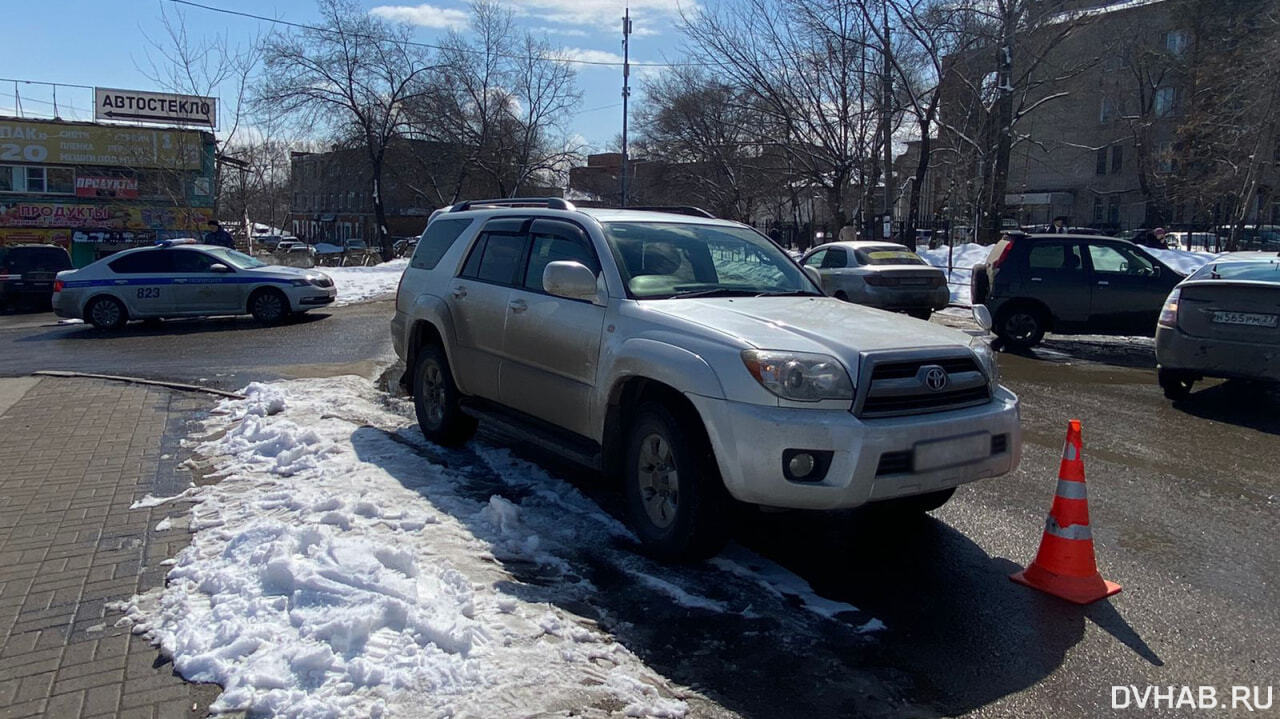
139	380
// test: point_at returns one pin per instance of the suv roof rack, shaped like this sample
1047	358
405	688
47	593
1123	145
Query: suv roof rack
552	203
673	209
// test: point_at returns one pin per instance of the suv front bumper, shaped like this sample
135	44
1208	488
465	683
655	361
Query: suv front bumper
749	440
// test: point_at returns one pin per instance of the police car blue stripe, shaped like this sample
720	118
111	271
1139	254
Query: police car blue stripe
123	282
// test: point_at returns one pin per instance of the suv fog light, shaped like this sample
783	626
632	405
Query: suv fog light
801	465
805	465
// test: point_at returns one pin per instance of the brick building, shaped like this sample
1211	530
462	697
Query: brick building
1103	152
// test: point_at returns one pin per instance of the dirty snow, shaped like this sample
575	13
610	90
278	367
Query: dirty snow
342	566
362	284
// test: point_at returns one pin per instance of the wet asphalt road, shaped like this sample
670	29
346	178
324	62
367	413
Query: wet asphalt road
1185	503
225	352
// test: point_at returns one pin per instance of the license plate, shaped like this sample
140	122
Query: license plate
914	282
1252	319
939	453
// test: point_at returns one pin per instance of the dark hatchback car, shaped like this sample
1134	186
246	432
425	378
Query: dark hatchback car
1070	284
27	272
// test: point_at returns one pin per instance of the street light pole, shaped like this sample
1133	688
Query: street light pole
626	94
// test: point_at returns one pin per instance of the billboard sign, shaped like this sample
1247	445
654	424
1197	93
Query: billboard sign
162	107
64	143
122	187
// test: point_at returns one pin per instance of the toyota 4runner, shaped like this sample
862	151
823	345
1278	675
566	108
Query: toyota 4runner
695	360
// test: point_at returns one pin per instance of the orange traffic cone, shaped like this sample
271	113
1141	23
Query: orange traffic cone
1065	566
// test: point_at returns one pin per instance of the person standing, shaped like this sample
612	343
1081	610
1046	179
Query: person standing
218	236
1059	226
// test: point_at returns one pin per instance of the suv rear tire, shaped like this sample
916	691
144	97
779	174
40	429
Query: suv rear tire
435	400
1021	326
675	498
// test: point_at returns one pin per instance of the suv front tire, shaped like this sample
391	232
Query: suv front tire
675	497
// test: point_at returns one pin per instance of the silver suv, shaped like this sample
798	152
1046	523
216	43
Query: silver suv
693	359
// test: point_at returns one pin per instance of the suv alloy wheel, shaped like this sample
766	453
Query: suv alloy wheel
676	500
435	400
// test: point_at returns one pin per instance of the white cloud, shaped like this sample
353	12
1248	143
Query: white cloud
587	55
647	16
424	15
567	31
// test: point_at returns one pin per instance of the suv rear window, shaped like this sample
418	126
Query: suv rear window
436	240
27	259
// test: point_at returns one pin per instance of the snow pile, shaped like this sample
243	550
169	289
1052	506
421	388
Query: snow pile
961	259
343	566
362	284
319	584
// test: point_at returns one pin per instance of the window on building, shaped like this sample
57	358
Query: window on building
1165	97
1117	159
1098	210
1107	112
60	180
1113	211
1175	41
1101	168
7	183
1164	157
35	179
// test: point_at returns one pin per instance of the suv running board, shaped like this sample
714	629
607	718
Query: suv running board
571	446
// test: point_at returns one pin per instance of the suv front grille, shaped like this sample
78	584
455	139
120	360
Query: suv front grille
897	385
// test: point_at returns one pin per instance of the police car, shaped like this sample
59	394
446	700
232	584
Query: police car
180	278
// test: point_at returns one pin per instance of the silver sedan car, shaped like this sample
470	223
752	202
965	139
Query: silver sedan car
179	278
880	274
1222	321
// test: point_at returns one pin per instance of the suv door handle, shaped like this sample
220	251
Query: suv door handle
518	305
459	292
1037	279
1103	283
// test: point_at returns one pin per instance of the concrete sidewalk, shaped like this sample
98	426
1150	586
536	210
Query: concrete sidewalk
74	455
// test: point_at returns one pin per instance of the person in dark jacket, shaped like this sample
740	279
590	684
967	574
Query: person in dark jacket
219	236
1059	226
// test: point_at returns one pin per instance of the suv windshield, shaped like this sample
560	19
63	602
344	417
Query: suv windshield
660	260
236	259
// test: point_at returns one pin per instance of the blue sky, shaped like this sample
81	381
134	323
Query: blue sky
103	43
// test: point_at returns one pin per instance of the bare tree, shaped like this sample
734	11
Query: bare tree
806	64
352	77
500	98
207	65
1011	72
710	139
1228	145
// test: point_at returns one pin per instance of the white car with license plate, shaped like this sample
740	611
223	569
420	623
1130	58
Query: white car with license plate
180	278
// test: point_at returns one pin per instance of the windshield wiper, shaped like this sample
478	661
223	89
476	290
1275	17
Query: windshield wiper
713	292
789	293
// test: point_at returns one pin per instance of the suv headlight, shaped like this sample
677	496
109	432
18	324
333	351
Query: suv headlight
799	376
986	358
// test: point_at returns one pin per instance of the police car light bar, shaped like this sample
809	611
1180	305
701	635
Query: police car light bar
171	243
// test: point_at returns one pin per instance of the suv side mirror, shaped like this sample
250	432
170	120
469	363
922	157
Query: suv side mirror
815	276
982	316
570	279
219	268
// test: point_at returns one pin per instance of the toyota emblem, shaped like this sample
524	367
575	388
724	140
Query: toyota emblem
935	378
